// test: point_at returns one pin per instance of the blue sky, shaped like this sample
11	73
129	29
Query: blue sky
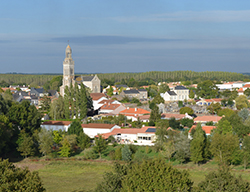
125	36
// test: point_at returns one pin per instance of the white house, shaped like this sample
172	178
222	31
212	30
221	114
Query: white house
56	125
97	98
143	136
93	129
179	93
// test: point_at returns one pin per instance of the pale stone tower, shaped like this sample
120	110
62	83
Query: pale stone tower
68	70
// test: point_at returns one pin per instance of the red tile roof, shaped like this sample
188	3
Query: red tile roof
207	129
207	118
143	117
98	125
110	106
240	90
134	111
247	86
97	96
170	115
56	123
106	101
127	131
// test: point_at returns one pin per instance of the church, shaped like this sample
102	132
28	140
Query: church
92	82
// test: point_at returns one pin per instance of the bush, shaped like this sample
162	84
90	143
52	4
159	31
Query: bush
90	154
148	150
118	153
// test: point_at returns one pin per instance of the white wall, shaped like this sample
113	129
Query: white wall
92	132
56	127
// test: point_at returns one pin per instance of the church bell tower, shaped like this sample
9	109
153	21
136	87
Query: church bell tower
68	70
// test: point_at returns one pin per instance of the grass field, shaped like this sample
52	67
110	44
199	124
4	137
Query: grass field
70	175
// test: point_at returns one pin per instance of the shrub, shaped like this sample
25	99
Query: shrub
90	154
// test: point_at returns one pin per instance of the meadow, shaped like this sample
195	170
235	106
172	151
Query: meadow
83	175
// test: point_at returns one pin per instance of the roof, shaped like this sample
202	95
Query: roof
207	129
52	92
106	101
171	93
171	115
207	118
98	126
134	111
87	78
240	90
97	96
119	86
56	123
246	86
180	87
68	46
131	91
39	90
110	106
143	117
142	90
116	131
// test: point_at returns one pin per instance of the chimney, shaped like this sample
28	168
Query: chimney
135	109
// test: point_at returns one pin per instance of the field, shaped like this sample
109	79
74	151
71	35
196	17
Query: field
72	175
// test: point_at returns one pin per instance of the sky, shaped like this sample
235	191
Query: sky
109	36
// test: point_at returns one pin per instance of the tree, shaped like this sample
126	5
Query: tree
25	144
100	145
243	114
168	150
83	141
126	153
223	180
224	127
198	146
246	151
191	94
75	128
66	102
173	123
163	88
182	147
226	112
110	91
207	89
158	99
16	179
65	149
6	132
162	177
247	92
45	103
241	102
187	122
57	109
155	115
223	146
214	108
187	110
45	140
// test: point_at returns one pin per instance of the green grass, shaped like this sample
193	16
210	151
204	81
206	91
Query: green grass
66	176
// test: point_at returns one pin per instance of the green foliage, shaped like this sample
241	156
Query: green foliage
173	123
16	179
75	128
90	153
100	145
83	141
57	137
243	114
214	108
25	144
126	153
65	149
187	122
168	150
163	88
224	127
187	110
155	115
207	89
118	153
241	102
247	92
191	94
226	112
162	177
246	151
182	147
223	146
57	109
110	91
5	133
45	139
198	146
223	180
45	103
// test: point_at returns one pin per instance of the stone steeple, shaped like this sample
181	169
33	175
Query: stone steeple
68	70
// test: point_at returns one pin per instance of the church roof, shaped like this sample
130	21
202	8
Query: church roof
68	47
87	78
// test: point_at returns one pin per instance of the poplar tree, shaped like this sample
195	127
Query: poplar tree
66	103
72	101
84	101
198	145
126	153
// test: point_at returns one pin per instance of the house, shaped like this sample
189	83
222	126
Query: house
134	113
39	92
34	100
207	102
143	93
97	98
132	93
230	85
207	129
176	116
53	93
56	125
121	86
178	93
144	118
93	129
143	136
240	91
110	108
245	87
205	119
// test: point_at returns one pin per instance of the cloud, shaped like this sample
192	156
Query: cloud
109	40
193	16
